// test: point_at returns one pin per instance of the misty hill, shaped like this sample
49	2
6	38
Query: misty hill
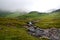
15	14
18	14
33	15
4	13
58	10
13	29
8	14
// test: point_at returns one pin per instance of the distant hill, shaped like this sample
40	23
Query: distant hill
8	14
33	15
4	13
58	10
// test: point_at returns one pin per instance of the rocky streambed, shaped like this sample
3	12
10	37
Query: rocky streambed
52	33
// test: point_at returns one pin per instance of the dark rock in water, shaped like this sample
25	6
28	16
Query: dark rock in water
52	34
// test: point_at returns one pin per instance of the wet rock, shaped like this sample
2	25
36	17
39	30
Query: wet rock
32	29
39	32
52	33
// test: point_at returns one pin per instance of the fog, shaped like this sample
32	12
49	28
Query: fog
29	5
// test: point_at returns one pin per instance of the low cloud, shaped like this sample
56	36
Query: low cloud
29	5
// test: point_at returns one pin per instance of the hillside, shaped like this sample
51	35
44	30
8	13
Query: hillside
51	20
15	14
32	16
12	25
12	29
58	10
4	13
8	14
43	20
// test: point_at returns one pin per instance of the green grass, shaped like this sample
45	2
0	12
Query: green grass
10	33
12	29
44	20
51	20
14	15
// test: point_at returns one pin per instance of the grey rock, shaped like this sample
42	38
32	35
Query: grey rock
52	33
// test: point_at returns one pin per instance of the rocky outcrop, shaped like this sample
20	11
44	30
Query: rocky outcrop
52	33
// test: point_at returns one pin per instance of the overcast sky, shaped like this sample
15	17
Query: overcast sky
30	5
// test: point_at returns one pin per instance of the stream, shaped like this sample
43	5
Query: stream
51	34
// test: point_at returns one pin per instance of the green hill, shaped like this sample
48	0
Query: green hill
4	13
51	20
8	14
15	14
32	16
44	20
12	25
